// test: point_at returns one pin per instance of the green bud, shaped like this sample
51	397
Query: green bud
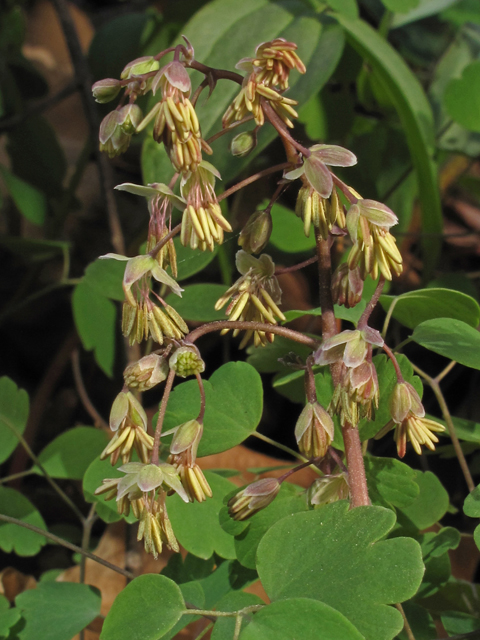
146	373
129	118
187	436
242	144
140	66
256	233
106	90
186	361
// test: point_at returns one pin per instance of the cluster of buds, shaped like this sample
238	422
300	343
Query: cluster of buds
374	248
314	431
183	454
408	419
253	498
255	297
186	361
117	128
202	223
128	421
268	74
347	286
146	373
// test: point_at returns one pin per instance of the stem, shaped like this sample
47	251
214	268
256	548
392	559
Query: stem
344	189
296	267
389	317
161	415
217	74
67	545
164	240
256	176
402	344
310	390
224	614
279	125
329	325
202	398
87	531
238	627
362	323
357	480
14	476
308	463
234	125
82	392
280	446
406	626
205	631
443	373
49	479
434	385
218	325
398	371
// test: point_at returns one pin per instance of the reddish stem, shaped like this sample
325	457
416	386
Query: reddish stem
202	398
344	189
362	323
310	390
296	267
250	179
164	240
398	371
161	416
279	125
218	325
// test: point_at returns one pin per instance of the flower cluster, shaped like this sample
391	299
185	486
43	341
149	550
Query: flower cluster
255	297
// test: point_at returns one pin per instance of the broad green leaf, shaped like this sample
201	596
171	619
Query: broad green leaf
266	359
461	12
471	508
95	321
57	610
198	302
234	601
191	261
190	569
14	408
462	98
287	502
348	7
14	537
456	281
430	506
8	617
439	543
146	609
342	313
98	471
196	525
287	233
343	561
387	379
457	623
192	593
106	277
424	9
390	481
415	307
435	557
234	404
401	6
70	454
416	117
451	338
299	618
29	201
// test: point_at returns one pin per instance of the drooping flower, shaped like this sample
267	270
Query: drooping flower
146	373
117	127
349	347
273	62
256	233
255	296
347	286
323	213
314	431
253	498
357	395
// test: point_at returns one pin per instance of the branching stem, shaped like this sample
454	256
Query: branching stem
218	325
161	416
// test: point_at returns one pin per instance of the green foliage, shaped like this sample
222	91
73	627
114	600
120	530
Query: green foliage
8	617
286	235
13	537
225	627
198	301
190	262
29	201
14	407
378	571
94	475
471	508
136	615
390	482
462	98
59	609
429	507
451	338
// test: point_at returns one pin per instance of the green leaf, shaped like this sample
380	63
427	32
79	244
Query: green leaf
106	277
400	6
424	9
146	609
390	481
413	108
342	313
387	379
287	502
234	601
198	302
234	404
457	623
471	508
97	471
29	201
299	618
57	610
415	307
343	561
191	261
430	506
14	408
435	547
192	593
451	338
348	7
196	525
420	621
462	98
8	617
266	359
287	233
465	429
461	12
95	321
70	454
13	537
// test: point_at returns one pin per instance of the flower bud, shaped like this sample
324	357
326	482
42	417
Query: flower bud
242	144
146	373
106	90
405	399
186	361
187	436
347	286
328	489
256	233
314	431
139	66
253	498
129	117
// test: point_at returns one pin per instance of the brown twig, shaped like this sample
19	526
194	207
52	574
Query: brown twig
364	318
161	415
82	392
296	267
253	178
202	398
218	325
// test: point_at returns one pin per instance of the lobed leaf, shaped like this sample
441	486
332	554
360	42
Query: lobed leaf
13	537
14	408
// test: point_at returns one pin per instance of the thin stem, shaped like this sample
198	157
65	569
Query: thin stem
164	240
402	344
82	392
238	627
296	267
250	179
406	625
218	325
67	545
394	361
14	476
364	318
442	374
279	125
329	325
344	189
389	316
337	459
205	631
202	397
280	446
224	614
161	415
87	531
49	479
308	463
217	74
234	125
434	385
310	390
